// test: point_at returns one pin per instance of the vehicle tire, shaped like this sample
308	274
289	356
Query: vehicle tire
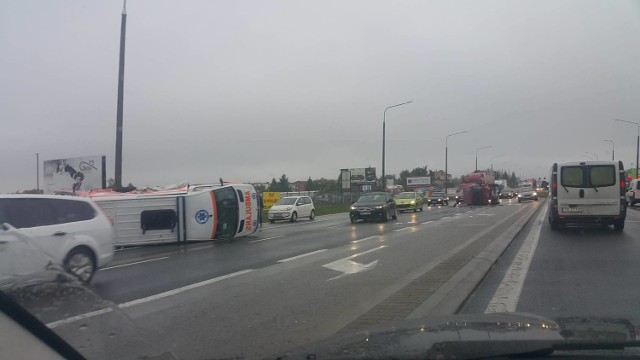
385	216
81	263
294	217
422	208
536	199
313	215
353	220
519	200
415	209
618	226
555	226
272	221
395	215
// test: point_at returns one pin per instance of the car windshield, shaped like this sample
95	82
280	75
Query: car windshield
287	201
249	179
406	196
372	198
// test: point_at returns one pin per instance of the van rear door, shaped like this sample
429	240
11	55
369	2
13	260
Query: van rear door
572	197
604	192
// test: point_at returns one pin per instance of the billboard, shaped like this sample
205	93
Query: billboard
75	174
418	181
269	199
360	176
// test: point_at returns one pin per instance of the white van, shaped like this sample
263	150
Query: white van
588	192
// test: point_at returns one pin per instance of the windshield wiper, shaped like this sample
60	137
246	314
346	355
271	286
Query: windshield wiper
565	188
595	188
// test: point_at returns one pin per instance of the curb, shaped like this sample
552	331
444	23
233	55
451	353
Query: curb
450	297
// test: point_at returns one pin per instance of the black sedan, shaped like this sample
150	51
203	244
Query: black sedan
438	198
506	194
374	206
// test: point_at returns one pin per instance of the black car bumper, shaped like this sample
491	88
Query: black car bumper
374	214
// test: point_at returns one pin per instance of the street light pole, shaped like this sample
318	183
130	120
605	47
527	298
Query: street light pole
594	154
446	156
118	160
480	148
502	167
38	172
384	122
494	157
637	142
613	149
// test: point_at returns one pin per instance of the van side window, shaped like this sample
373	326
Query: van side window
158	220
602	175
573	176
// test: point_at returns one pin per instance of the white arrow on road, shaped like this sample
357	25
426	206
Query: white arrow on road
347	266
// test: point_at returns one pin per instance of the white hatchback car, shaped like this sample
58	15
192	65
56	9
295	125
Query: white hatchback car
291	208
39	230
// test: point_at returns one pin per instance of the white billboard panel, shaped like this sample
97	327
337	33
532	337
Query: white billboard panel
74	174
418	181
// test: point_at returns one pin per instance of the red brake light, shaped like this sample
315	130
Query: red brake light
622	185
555	186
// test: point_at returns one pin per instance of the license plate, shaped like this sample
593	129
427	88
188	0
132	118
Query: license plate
365	213
571	210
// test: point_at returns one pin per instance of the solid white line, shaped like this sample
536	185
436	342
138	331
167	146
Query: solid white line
302	255
403	229
54	324
428	222
127	248
182	289
265	239
134	263
507	295
365	239
365	252
446	217
334	226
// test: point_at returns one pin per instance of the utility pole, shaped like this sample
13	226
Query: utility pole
118	162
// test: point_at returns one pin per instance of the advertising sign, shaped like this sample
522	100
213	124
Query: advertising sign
75	174
418	181
363	175
269	199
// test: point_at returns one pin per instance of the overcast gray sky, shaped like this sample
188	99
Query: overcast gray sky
249	90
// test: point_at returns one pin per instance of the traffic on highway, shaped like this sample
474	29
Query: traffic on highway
203	180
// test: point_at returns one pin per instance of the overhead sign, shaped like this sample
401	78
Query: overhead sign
269	199
418	181
75	174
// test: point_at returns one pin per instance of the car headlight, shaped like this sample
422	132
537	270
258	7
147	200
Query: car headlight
379	206
535	193
413	202
288	208
519	195
353	208
439	199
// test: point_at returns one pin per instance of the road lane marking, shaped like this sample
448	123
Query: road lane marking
302	255
428	222
336	226
365	252
506	297
365	239
446	217
267	238
55	324
182	289
404	228
134	263
125	305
